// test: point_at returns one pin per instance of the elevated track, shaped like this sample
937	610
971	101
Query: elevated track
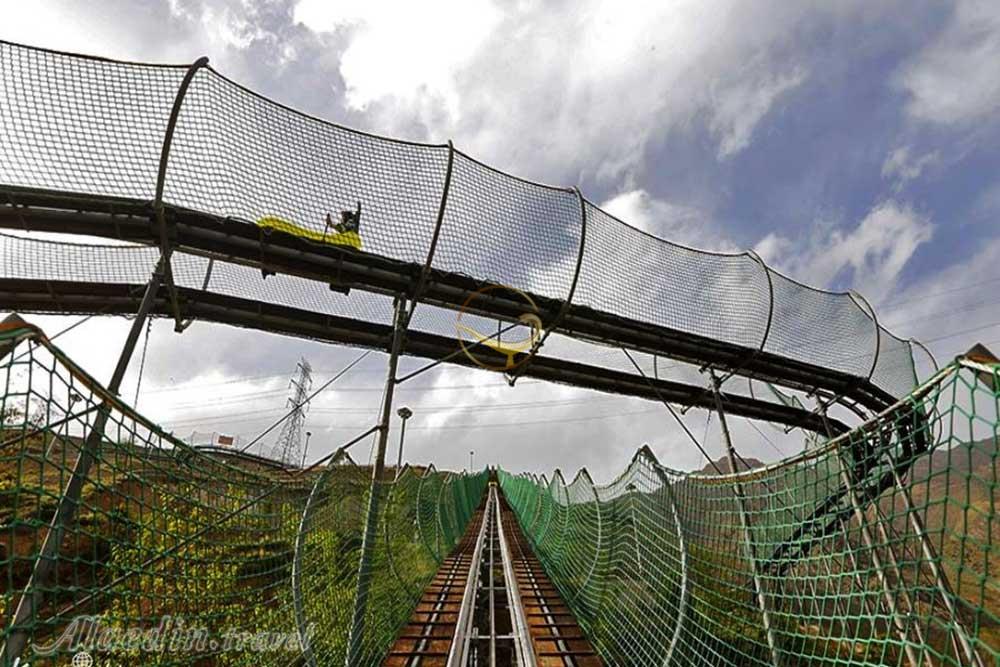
491	605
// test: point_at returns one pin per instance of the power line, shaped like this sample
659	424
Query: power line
310	397
460	408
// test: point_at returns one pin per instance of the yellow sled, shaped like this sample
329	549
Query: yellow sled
349	238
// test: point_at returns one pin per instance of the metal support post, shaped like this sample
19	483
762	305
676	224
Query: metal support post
904	593
940	578
69	501
357	631
821	409
866	536
745	523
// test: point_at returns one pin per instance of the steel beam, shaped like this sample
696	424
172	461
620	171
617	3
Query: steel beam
241	242
110	299
751	547
357	631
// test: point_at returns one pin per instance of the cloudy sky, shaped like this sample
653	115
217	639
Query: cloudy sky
851	144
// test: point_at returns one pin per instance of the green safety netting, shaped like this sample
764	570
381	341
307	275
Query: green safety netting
238	560
878	547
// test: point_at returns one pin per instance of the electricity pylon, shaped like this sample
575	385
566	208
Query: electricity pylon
288	447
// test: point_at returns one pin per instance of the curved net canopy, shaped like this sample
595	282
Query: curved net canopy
98	134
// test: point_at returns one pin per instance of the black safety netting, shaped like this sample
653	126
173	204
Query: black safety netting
29	258
96	127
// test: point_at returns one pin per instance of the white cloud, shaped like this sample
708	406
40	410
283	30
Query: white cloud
49	24
405	51
549	92
552	91
674	222
950	309
870	256
901	167
739	108
954	79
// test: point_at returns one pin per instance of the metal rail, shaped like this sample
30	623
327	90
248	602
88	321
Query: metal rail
555	635
493	631
427	638
491	605
113	299
463	628
522	636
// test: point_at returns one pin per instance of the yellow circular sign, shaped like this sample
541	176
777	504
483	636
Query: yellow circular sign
470	338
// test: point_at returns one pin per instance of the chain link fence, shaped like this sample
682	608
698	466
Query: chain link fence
237	561
878	547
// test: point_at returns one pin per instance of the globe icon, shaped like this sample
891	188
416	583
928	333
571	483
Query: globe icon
82	660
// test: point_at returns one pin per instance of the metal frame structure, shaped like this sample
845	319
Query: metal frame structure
751	547
171	228
238	242
120	299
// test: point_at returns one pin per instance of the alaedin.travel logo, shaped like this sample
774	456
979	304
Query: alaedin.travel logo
88	636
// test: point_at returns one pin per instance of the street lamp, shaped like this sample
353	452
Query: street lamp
305	450
472	454
404	414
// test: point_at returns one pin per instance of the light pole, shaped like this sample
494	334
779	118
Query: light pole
305	450
472	454
404	414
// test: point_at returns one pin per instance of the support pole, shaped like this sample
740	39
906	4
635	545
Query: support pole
69	501
897	571
357	632
667	483
940	578
848	548
745	524
880	569
159	215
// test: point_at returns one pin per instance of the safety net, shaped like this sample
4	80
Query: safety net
97	128
878	547
175	555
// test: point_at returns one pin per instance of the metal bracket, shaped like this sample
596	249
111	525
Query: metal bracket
159	215
418	291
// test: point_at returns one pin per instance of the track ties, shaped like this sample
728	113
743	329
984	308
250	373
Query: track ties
492	593
426	639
